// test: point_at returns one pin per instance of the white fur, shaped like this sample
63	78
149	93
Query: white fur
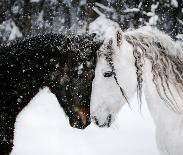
106	97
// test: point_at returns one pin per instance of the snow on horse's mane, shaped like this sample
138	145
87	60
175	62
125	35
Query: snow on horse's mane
166	57
150	35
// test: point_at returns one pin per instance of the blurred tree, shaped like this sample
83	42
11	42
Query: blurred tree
22	18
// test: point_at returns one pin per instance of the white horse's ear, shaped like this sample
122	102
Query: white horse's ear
119	38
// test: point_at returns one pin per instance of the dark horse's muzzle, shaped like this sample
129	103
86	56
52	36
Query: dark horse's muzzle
81	117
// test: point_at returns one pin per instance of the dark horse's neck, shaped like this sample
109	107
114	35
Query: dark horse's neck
26	67
50	60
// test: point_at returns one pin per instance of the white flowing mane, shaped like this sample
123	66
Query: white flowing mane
166	57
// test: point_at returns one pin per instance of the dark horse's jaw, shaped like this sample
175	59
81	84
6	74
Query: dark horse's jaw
81	117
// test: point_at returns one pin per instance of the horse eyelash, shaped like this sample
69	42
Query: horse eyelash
108	74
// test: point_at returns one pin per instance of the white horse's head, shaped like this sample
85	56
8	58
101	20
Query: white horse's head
115	79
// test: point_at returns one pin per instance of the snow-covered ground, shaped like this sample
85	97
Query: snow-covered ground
43	129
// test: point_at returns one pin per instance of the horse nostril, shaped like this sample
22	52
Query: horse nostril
109	119
78	124
80	121
95	120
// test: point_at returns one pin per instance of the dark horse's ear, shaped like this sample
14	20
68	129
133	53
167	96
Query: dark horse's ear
68	40
96	47
99	44
92	36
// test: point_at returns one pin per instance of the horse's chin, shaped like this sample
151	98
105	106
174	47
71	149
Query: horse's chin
107	123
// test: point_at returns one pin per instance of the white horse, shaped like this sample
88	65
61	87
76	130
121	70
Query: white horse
141	60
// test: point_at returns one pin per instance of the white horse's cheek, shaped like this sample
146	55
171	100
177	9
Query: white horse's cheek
114	103
102	106
99	99
95	97
106	97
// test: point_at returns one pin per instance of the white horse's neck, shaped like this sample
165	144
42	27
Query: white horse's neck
158	109
169	125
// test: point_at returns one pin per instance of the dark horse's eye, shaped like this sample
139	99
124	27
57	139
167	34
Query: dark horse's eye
108	74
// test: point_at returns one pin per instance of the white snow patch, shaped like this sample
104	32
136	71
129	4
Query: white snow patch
34	1
153	20
40	20
131	10
80	69
153	17
104	7
15	9
10	27
127	10
180	21
82	2
103	27
15	32
174	3
42	128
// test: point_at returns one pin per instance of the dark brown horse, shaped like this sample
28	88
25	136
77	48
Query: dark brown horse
64	64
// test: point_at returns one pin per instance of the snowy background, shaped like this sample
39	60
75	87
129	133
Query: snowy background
42	127
22	18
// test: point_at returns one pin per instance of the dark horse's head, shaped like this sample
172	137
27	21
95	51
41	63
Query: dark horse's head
63	63
74	76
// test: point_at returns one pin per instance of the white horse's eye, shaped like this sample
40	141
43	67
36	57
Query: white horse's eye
108	74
